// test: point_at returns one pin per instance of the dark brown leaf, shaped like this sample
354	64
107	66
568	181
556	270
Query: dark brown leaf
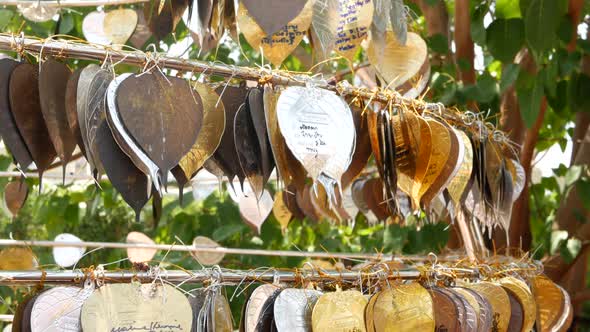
129	181
163	114
248	150
290	200
15	195
53	79
362	150
165	22
226	155
272	15
8	129
72	108
304	202
26	108
95	114
256	103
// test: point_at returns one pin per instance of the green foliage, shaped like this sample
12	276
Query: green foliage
505	38
541	23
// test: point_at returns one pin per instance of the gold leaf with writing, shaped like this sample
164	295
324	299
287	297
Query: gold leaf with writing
279	45
457	186
406	127
425	150
210	133
355	19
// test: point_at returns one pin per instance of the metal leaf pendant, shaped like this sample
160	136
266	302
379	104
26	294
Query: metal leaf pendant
72	109
290	202
95	114
125	177
142	32
256	106
9	131
248	150
119	24
319	130
362	149
86	76
273	15
26	109
459	183
254	210
163	115
15	196
208	139
226	156
93	28
163	22
280	210
324	25
353	26
278	45
288	168
126	142
441	148
53	81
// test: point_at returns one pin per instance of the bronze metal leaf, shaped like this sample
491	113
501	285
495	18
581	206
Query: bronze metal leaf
304	202
26	108
163	114
15	195
248	150
290	200
72	108
226	156
53	80
272	15
129	181
8	129
362	150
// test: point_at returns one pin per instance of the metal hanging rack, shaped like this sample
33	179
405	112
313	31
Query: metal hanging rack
225	250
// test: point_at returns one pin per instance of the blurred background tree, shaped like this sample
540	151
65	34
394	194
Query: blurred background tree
524	63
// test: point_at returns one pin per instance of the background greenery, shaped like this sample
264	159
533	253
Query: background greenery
534	84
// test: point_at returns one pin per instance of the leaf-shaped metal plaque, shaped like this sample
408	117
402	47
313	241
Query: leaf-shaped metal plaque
281	212
278	45
58	309
210	134
362	150
95	114
353	26
26	109
126	142
163	115
136	255
304	203
226	156
248	149
288	168
9	131
119	24
290	201
15	196
325	25
272	15
163	22
93	28
142	32
82	91
254	210
53	81
400	63
256	107
457	186
450	164
72	108
129	181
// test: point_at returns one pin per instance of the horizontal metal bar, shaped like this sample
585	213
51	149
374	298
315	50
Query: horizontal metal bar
69	4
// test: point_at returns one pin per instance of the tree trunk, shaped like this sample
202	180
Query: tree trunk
464	53
437	22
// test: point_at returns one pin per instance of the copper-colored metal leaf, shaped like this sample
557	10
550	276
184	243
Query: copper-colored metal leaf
256	107
373	192
290	201
53	81
26	108
129	181
226	156
163	22
280	210
142	32
248	149
278	45
15	195
272	15
304	202
163	114
450	165
362	150
439	155
72	108
320	203
8	128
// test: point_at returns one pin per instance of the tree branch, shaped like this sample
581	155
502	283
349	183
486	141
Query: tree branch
463	41
437	22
